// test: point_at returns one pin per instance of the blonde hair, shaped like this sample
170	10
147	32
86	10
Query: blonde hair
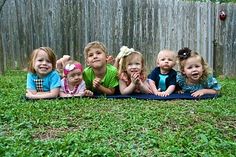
191	54
71	62
124	60
166	51
51	57
94	44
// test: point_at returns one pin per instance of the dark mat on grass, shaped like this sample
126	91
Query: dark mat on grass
174	96
154	97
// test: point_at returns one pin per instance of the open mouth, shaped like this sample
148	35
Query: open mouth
195	75
43	68
134	71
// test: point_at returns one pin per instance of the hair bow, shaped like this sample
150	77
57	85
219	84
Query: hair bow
184	53
70	67
124	51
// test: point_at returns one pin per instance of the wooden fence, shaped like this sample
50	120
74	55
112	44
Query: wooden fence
146	25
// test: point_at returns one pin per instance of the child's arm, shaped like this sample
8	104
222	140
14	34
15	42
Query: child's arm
168	91
110	59
116	62
124	89
144	87
41	95
104	90
88	93
154	88
101	88
201	92
62	94
213	88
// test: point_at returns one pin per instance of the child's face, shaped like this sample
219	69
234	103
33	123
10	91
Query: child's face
74	77
193	69
96	58
42	64
166	60
133	64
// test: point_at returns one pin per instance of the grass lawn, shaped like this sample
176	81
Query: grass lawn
113	127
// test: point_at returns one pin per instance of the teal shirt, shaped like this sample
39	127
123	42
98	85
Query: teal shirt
209	83
49	82
110	80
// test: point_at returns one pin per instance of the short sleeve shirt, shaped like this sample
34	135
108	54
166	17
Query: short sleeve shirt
163	81
209	83
49	82
110	80
80	88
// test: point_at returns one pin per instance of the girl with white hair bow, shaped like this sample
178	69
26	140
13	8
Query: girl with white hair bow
132	74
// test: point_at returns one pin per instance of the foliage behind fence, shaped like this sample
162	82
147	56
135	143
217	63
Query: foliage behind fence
148	26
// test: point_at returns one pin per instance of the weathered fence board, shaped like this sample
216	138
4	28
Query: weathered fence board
147	25
225	40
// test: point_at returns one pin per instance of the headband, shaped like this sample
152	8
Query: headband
70	67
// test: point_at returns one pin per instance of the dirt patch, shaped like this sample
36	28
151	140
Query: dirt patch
52	133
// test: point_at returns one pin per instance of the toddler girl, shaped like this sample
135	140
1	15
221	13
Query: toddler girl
195	76
73	84
132	77
43	81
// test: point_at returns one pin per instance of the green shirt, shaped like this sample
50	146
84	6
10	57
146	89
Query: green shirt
110	80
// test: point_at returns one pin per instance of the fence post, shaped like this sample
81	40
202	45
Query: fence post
218	59
1	56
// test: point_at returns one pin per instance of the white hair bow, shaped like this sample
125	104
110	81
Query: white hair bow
124	51
69	67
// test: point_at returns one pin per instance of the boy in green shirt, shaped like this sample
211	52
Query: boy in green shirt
99	77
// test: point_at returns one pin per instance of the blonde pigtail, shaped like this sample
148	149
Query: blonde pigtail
120	66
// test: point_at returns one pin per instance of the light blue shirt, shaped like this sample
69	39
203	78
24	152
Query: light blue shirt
51	81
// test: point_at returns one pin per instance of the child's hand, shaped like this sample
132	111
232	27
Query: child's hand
96	82
164	94
88	93
180	92
198	93
135	78
29	94
144	87
110	60
158	92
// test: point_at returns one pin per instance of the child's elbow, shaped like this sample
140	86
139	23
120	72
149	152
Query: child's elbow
217	91
111	91
55	93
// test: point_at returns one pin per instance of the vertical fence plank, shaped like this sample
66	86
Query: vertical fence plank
225	40
1	55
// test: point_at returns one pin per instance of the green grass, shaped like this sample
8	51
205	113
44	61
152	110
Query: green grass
113	127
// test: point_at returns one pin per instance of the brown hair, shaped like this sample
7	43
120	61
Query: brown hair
51	57
94	44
